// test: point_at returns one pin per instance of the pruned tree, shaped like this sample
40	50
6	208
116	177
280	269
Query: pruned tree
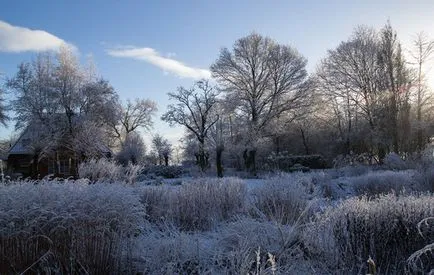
193	110
263	80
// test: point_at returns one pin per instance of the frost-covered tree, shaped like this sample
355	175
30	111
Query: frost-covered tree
423	49
396	83
133	149
349	82
193	109
365	82
3	109
162	148
263	80
62	100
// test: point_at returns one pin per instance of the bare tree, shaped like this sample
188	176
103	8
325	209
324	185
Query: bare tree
263	80
349	82
193	109
396	81
421	54
134	115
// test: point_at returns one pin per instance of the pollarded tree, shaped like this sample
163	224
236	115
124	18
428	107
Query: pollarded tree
193	109
264	80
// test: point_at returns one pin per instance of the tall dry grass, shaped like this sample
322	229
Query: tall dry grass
67	227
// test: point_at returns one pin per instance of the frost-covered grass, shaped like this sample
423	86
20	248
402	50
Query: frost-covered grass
385	228
67	227
229	249
307	223
196	205
383	182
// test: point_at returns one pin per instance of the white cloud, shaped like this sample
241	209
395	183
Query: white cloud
19	39
167	64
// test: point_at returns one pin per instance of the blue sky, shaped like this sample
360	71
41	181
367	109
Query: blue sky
148	48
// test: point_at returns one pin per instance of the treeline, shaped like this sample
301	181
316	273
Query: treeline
366	98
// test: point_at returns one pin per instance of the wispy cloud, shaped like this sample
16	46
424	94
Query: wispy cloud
20	39
167	64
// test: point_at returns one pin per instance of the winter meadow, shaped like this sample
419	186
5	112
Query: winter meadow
279	170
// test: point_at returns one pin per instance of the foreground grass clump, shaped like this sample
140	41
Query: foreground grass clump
67	227
384	228
232	248
383	182
197	205
284	198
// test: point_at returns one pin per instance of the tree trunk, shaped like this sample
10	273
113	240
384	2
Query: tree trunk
252	157
202	157
305	144
219	165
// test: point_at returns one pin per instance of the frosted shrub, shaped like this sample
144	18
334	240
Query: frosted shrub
131	172
381	182
168	172
67	227
384	228
425	177
196	205
100	170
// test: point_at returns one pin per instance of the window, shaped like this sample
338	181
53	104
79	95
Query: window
64	167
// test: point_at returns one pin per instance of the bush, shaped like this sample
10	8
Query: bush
284	162
100	170
168	172
67	228
104	170
393	161
196	205
385	228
